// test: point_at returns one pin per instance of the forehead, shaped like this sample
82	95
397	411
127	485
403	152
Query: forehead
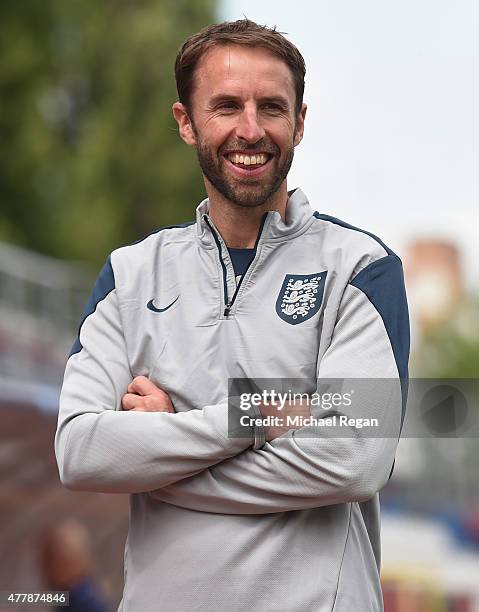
242	71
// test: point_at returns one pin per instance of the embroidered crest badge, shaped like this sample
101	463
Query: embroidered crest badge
300	297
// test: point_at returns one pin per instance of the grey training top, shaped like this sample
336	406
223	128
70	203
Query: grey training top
229	524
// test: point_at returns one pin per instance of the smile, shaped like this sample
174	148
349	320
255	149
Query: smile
248	165
248	160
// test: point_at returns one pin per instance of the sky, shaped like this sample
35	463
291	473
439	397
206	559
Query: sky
392	129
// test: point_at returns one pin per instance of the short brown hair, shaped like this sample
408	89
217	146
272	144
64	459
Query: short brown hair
241	32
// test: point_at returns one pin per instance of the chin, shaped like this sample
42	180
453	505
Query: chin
248	204
249	200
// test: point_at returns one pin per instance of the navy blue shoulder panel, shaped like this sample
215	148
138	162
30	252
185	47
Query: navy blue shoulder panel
352	227
382	281
105	283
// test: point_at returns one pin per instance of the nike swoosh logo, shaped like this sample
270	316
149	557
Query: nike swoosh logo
153	308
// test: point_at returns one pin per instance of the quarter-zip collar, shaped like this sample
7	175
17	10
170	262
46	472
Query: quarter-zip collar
299	216
229	295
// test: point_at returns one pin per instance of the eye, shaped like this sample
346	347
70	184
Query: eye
227	106
272	107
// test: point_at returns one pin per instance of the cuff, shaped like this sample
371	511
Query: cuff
245	423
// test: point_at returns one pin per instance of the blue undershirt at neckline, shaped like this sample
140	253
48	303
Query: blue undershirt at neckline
241	259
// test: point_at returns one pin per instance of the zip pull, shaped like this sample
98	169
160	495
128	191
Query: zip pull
227	310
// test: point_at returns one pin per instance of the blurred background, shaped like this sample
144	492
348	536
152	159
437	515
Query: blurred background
90	160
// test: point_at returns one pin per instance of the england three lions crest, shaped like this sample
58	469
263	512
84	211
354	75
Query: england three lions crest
300	297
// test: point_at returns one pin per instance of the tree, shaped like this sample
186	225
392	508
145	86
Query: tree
90	156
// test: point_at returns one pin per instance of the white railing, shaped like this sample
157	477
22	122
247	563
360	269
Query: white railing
41	301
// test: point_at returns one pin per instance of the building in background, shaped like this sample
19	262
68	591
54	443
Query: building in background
434	281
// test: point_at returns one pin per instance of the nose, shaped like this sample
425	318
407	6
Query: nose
248	127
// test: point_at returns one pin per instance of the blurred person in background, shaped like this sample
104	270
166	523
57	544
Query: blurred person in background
260	286
67	565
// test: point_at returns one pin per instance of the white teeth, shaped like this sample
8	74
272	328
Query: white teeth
248	160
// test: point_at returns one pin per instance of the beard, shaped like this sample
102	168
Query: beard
246	193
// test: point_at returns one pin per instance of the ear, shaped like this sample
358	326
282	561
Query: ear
184	123
298	134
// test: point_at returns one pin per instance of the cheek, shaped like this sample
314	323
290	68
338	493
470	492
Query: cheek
217	130
213	141
282	135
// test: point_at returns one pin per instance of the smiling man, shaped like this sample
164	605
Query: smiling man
281	517
242	116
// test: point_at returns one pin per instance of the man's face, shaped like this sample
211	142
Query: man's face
243	122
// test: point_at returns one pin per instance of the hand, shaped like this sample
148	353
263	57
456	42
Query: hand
145	396
300	409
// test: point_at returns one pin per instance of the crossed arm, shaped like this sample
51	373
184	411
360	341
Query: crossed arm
100	447
114	442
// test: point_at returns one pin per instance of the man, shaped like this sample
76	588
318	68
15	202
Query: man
260	286
68	565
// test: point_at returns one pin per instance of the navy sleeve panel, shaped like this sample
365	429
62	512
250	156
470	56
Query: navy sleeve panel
352	227
382	282
165	227
105	283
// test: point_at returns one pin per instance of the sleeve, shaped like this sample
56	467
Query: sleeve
310	467
101	448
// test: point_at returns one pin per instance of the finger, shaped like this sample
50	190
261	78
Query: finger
143	409
137	385
131	401
165	401
156	403
143	386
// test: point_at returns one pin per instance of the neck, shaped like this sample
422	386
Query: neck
239	225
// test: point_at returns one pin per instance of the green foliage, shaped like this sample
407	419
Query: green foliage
451	350
90	156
